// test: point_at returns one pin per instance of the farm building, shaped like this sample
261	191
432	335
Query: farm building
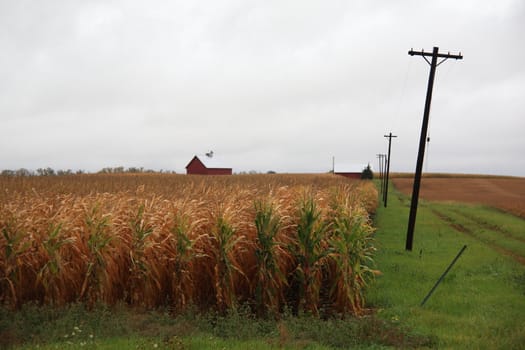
351	171
206	166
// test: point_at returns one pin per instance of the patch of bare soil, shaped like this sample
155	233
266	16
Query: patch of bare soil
507	194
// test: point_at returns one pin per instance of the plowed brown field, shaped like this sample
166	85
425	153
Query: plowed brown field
504	193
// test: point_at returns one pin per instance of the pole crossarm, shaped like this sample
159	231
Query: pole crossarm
444	56
439	55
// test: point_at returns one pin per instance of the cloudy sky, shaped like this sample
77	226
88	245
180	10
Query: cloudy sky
267	85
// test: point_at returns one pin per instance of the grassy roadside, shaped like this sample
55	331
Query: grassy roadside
481	303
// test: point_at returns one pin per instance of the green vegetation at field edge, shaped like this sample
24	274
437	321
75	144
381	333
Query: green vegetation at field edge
120	327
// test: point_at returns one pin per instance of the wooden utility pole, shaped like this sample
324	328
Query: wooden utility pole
384	176
421	153
384	182
388	165
380	157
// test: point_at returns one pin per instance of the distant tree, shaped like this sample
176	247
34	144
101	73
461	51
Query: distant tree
64	172
115	170
23	172
271	172
367	173
135	170
45	172
8	172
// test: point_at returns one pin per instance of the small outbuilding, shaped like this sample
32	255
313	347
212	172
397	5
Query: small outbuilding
206	166
351	171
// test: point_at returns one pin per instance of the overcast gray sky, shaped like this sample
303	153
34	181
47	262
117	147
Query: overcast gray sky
267	85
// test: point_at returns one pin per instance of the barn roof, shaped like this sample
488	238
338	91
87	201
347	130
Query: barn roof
349	168
211	163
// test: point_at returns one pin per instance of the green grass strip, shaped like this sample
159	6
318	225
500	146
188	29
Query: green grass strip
481	302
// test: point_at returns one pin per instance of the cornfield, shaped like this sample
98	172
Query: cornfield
272	242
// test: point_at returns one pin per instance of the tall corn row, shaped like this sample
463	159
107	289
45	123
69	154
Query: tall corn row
351	252
211	244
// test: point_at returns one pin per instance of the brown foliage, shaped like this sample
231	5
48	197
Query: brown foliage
154	240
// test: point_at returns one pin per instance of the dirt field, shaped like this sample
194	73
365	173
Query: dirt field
503	193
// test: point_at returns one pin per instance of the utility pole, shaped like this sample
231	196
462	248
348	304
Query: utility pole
421	153
384	173
383	179
388	165
380	157
383	167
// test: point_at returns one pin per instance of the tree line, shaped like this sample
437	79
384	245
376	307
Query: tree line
52	172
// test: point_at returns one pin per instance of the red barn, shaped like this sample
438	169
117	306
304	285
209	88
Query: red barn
351	171
208	166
